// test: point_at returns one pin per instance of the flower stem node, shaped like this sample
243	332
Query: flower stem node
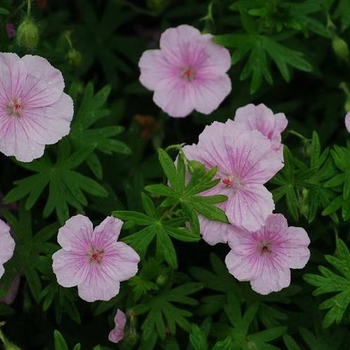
28	34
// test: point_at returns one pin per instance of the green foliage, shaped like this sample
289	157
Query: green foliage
330	282
60	343
66	185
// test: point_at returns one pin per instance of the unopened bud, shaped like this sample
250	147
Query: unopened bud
161	279
27	34
194	165
340	48
74	57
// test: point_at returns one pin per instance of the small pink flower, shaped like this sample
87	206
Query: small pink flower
265	257
34	110
7	245
245	161
12	292
117	333
92	259
347	121
187	73
262	119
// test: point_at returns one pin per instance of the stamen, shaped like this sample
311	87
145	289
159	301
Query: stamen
188	73
15	107
95	255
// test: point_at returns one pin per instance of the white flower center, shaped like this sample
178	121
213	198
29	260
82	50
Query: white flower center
188	73
95	256
15	107
264	248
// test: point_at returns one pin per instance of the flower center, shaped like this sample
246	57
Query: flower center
188	73
14	107
264	248
95	255
231	182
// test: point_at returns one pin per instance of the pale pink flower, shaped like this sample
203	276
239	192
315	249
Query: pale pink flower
245	162
187	73
34	110
10	30
12	292
117	333
214	232
347	121
7	245
92	259
266	256
262	119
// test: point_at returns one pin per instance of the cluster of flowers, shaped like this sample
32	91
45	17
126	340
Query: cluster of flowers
248	152
189	73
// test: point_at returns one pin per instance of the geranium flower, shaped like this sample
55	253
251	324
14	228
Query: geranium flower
117	333
187	73
245	161
7	245
265	257
34	110
262	119
92	259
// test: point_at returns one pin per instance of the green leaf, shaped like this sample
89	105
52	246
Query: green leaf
331	282
60	343
3	11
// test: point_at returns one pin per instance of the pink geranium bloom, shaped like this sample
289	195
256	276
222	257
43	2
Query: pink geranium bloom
245	161
34	110
262	119
265	257
117	333
92	259
187	73
347	121
7	245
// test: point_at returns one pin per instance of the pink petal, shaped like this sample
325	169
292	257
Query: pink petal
214	232
44	83
98	285
174	37
7	244
13	74
70	269
156	72
207	92
176	101
47	125
120	261
76	234
273	278
109	230
250	207
117	333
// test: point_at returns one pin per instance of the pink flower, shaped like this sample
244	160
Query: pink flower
262	119
117	333
265	257
12	292
347	121
245	162
34	110
187	73
92	259
7	245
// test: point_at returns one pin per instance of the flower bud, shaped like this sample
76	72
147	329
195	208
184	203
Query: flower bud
194	165
27	34
340	48
74	57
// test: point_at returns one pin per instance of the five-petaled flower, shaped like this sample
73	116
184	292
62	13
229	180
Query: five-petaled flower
117	333
92	259
265	257
187	73
7	245
34	110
